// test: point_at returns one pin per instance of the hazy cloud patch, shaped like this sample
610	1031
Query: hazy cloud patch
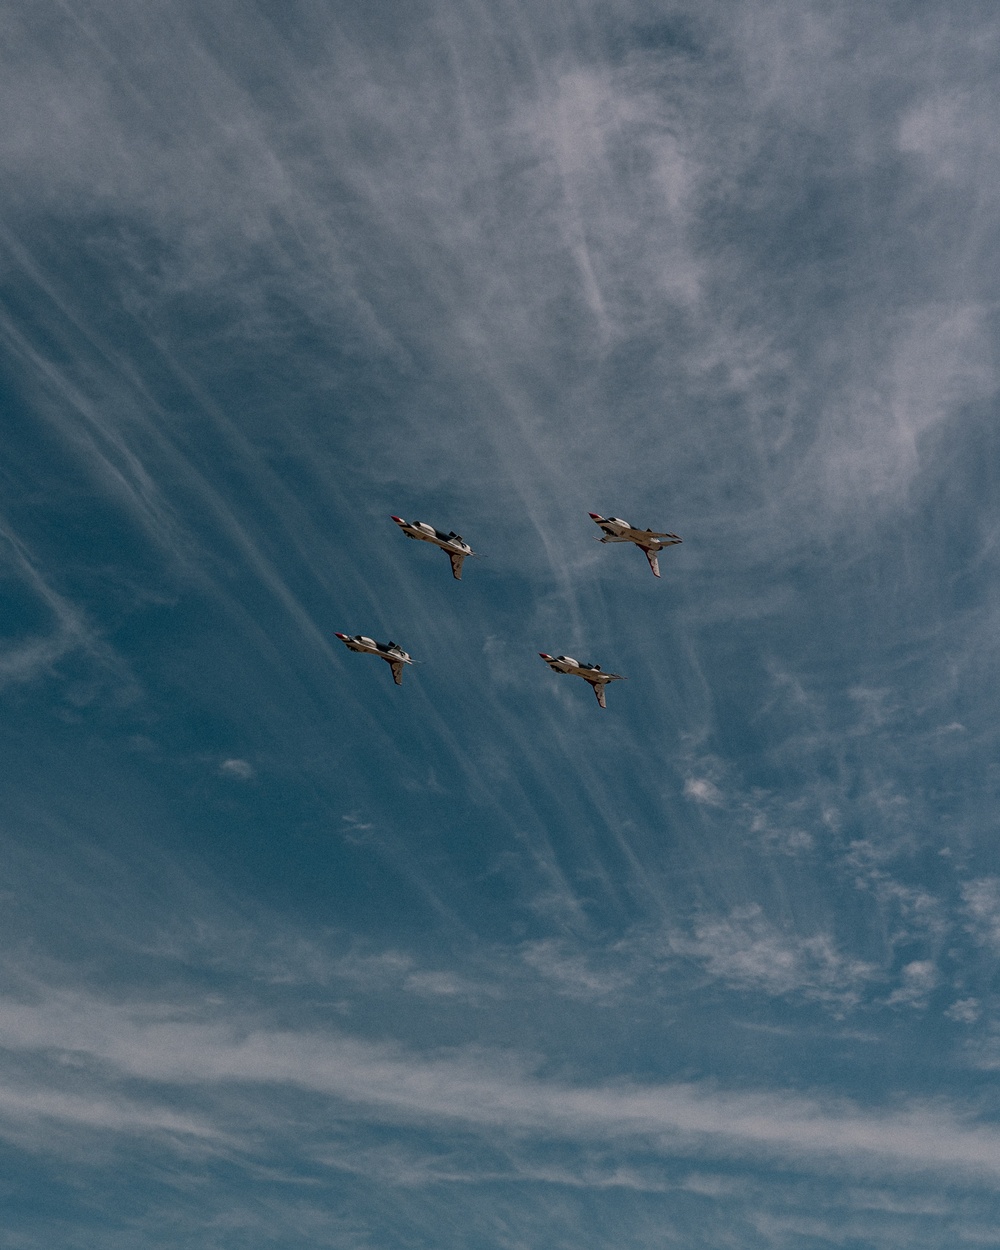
572	972
748	952
920	979
703	791
982	906
964	1010
239	770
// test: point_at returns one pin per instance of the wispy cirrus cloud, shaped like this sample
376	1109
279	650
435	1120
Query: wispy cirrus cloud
27	1109
37	654
484	1091
614	163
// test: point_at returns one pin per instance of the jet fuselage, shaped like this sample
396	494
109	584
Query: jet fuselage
391	652
650	542
454	544
593	674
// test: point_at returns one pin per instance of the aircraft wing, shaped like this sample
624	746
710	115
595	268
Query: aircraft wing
599	691
654	564
397	671
456	559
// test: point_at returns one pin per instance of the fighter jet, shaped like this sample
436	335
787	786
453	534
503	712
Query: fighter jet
591	673
391	652
618	531
453	543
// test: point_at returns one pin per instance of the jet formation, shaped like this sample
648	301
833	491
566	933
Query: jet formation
651	542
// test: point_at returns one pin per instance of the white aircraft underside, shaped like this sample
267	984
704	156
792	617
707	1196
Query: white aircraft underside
456	547
391	652
593	674
651	542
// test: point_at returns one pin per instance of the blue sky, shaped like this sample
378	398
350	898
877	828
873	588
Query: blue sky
292	957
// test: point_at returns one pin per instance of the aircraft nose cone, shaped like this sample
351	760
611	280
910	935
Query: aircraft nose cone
341	635
544	656
398	520
595	515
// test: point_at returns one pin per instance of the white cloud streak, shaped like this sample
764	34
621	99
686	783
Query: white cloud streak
481	1091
